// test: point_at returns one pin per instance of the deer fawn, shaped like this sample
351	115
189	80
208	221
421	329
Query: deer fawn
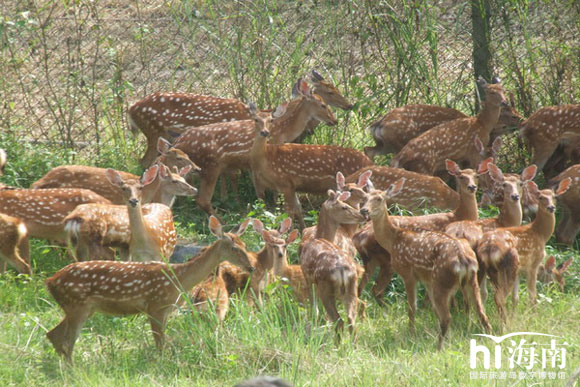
507	251
14	249
442	263
548	272
453	140
144	233
124	288
547	127
569	224
330	270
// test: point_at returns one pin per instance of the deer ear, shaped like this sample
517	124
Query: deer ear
258	225
532	188
564	266
452	167
496	146
215	227
344	196
285	226
495	173
163	171
370	185
479	146
529	173
267	237
316	77
550	263
395	188
483	166
114	177
331	194
163	145
280	110
364	179
150	175
242	227
292	236
252	108
340	180
185	170
301	89
563	186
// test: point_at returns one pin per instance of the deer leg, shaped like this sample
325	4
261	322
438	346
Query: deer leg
66	333
531	279
474	295
329	302
516	286
158	321
15	260
440	300
383	280
350	301
411	289
370	266
206	189
298	212
151	151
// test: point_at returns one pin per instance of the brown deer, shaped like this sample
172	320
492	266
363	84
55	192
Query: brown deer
399	126
124	288
548	272
442	263
569	224
328	269
161	190
143	233
291	168
170	114
453	140
14	249
225	147
547	127
43	210
507	251
374	255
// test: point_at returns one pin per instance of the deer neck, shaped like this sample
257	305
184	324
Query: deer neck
384	230
544	223
280	266
510	214
467	208
488	117
258	151
291	125
139	235
327	227
198	268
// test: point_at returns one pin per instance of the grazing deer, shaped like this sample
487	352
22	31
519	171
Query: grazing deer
123	288
548	272
225	147
164	189
453	140
442	263
43	211
507	251
14	249
291	168
330	270
569	224
143	233
549	126
374	255
399	126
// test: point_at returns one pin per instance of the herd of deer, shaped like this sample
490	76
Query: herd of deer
97	211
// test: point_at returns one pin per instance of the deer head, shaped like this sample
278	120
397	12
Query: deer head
339	210
548	272
494	93
175	182
511	185
232	248
329	92
357	191
377	200
319	109
546	198
466	178
173	157
132	190
275	245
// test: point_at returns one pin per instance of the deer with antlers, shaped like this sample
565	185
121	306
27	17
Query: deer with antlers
442	263
142	232
374	255
170	114
327	268
455	139
125	288
548	272
508	251
548	127
569	224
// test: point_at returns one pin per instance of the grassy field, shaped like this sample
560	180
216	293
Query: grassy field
69	70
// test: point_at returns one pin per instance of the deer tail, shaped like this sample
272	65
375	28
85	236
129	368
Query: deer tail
72	227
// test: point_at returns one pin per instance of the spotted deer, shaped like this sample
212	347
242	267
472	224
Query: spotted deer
163	189
511	250
399	126
14	249
374	255
225	147
125	288
548	127
43	211
548	272
327	268
442	263
453	140
144	233
569	224
292	168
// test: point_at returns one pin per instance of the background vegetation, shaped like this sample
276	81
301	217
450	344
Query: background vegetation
70	69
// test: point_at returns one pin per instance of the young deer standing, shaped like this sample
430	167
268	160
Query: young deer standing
123	288
331	271
547	127
291	274
14	248
548	272
453	140
442	263
291	168
143	233
569	224
507	251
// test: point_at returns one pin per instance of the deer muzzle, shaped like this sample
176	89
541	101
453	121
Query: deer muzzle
515	197
264	133
365	212
133	202
551	209
472	188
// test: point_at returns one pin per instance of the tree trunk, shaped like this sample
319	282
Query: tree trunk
480	17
